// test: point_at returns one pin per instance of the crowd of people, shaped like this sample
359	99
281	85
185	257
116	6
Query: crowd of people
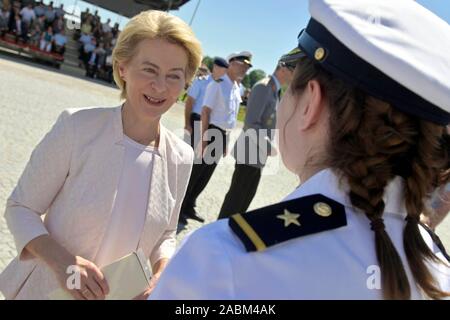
34	24
42	27
96	42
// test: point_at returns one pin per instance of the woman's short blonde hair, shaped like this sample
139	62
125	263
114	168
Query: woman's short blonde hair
154	24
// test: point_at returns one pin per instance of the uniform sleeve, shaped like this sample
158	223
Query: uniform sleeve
43	177
256	105
212	95
200	270
194	90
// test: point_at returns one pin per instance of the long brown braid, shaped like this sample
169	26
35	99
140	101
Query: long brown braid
370	144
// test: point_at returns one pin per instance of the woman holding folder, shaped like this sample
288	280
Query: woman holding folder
110	181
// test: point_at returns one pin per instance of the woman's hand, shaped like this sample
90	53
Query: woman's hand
89	281
90	284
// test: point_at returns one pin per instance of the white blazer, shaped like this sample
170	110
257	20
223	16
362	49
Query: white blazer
72	177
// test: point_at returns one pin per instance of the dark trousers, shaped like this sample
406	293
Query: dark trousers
193	118
200	176
242	190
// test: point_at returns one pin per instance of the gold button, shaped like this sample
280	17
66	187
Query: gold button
322	209
319	54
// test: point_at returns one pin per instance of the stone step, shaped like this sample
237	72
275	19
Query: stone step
72	45
73	70
71	56
72	63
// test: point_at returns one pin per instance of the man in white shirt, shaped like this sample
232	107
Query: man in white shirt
60	12
219	115
27	14
50	15
195	95
39	10
60	41
106	27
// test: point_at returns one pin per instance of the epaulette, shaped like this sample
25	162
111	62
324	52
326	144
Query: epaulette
274	224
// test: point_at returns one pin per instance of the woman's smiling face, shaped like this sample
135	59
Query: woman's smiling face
154	77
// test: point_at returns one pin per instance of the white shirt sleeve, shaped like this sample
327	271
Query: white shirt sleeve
200	270
212	95
194	89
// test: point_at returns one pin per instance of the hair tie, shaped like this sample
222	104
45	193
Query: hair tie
412	219
377	224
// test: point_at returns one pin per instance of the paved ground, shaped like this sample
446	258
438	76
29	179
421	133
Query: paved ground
31	97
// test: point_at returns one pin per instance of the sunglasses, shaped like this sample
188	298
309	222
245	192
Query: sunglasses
289	65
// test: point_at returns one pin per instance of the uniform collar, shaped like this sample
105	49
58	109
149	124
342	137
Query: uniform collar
227	79
119	135
326	182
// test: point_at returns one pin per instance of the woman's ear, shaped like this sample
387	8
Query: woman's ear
122	70
313	104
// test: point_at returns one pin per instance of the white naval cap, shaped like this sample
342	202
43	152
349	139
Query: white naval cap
397	51
245	56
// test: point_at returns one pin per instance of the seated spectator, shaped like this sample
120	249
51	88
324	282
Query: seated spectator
104	70
35	36
59	42
85	38
94	61
46	40
87	50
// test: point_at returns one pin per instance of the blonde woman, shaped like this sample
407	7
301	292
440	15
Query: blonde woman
110	180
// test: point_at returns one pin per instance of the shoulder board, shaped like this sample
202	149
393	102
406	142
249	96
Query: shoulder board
436	240
268	226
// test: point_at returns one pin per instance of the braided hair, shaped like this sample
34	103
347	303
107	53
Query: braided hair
370	144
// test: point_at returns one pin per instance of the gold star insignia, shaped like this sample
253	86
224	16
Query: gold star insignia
289	218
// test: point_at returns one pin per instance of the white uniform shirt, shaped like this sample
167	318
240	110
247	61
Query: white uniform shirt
197	92
27	14
130	207
336	264
224	100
